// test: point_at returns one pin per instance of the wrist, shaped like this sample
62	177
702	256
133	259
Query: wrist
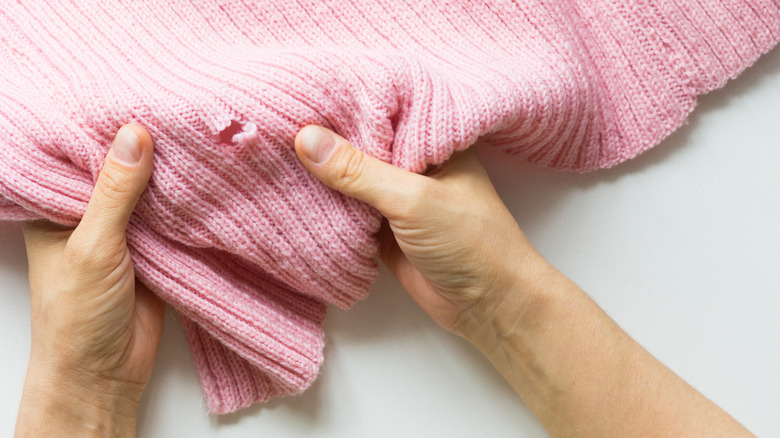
515	304
520	329
72	404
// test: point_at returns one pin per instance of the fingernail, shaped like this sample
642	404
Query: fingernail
317	144
127	147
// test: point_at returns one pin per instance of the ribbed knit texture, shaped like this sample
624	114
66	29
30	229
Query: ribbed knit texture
232	231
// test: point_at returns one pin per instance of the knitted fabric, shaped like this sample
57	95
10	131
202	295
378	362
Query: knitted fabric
232	231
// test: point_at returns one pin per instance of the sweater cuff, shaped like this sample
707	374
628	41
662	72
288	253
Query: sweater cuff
229	382
672	51
656	57
714	41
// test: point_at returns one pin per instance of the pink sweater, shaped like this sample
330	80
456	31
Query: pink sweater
232	231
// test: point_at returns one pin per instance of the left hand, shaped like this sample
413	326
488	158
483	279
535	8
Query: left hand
95	329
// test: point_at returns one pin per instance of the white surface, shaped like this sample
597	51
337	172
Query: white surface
681	246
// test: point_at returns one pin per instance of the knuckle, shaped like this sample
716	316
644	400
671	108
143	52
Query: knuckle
350	170
88	255
79	252
419	198
114	184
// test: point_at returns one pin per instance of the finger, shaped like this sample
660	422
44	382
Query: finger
124	177
341	166
150	310
464	168
410	278
43	233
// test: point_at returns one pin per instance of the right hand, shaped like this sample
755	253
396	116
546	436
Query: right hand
455	248
451	242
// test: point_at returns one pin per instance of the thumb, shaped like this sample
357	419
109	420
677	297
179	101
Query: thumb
343	167
124	177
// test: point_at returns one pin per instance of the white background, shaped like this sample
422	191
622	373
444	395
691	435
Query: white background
681	246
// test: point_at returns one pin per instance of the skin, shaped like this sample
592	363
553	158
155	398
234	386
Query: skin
459	253
450	242
95	329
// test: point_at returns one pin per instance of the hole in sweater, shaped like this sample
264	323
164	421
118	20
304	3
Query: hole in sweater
226	135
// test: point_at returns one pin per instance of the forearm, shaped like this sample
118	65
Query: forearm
69	406
579	373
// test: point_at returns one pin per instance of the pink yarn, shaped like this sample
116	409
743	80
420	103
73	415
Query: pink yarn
232	231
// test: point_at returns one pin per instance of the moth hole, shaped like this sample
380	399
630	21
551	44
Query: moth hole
226	135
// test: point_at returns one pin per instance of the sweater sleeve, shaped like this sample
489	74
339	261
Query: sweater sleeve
657	56
644	63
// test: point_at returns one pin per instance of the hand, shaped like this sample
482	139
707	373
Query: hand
451	242
459	253
95	329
